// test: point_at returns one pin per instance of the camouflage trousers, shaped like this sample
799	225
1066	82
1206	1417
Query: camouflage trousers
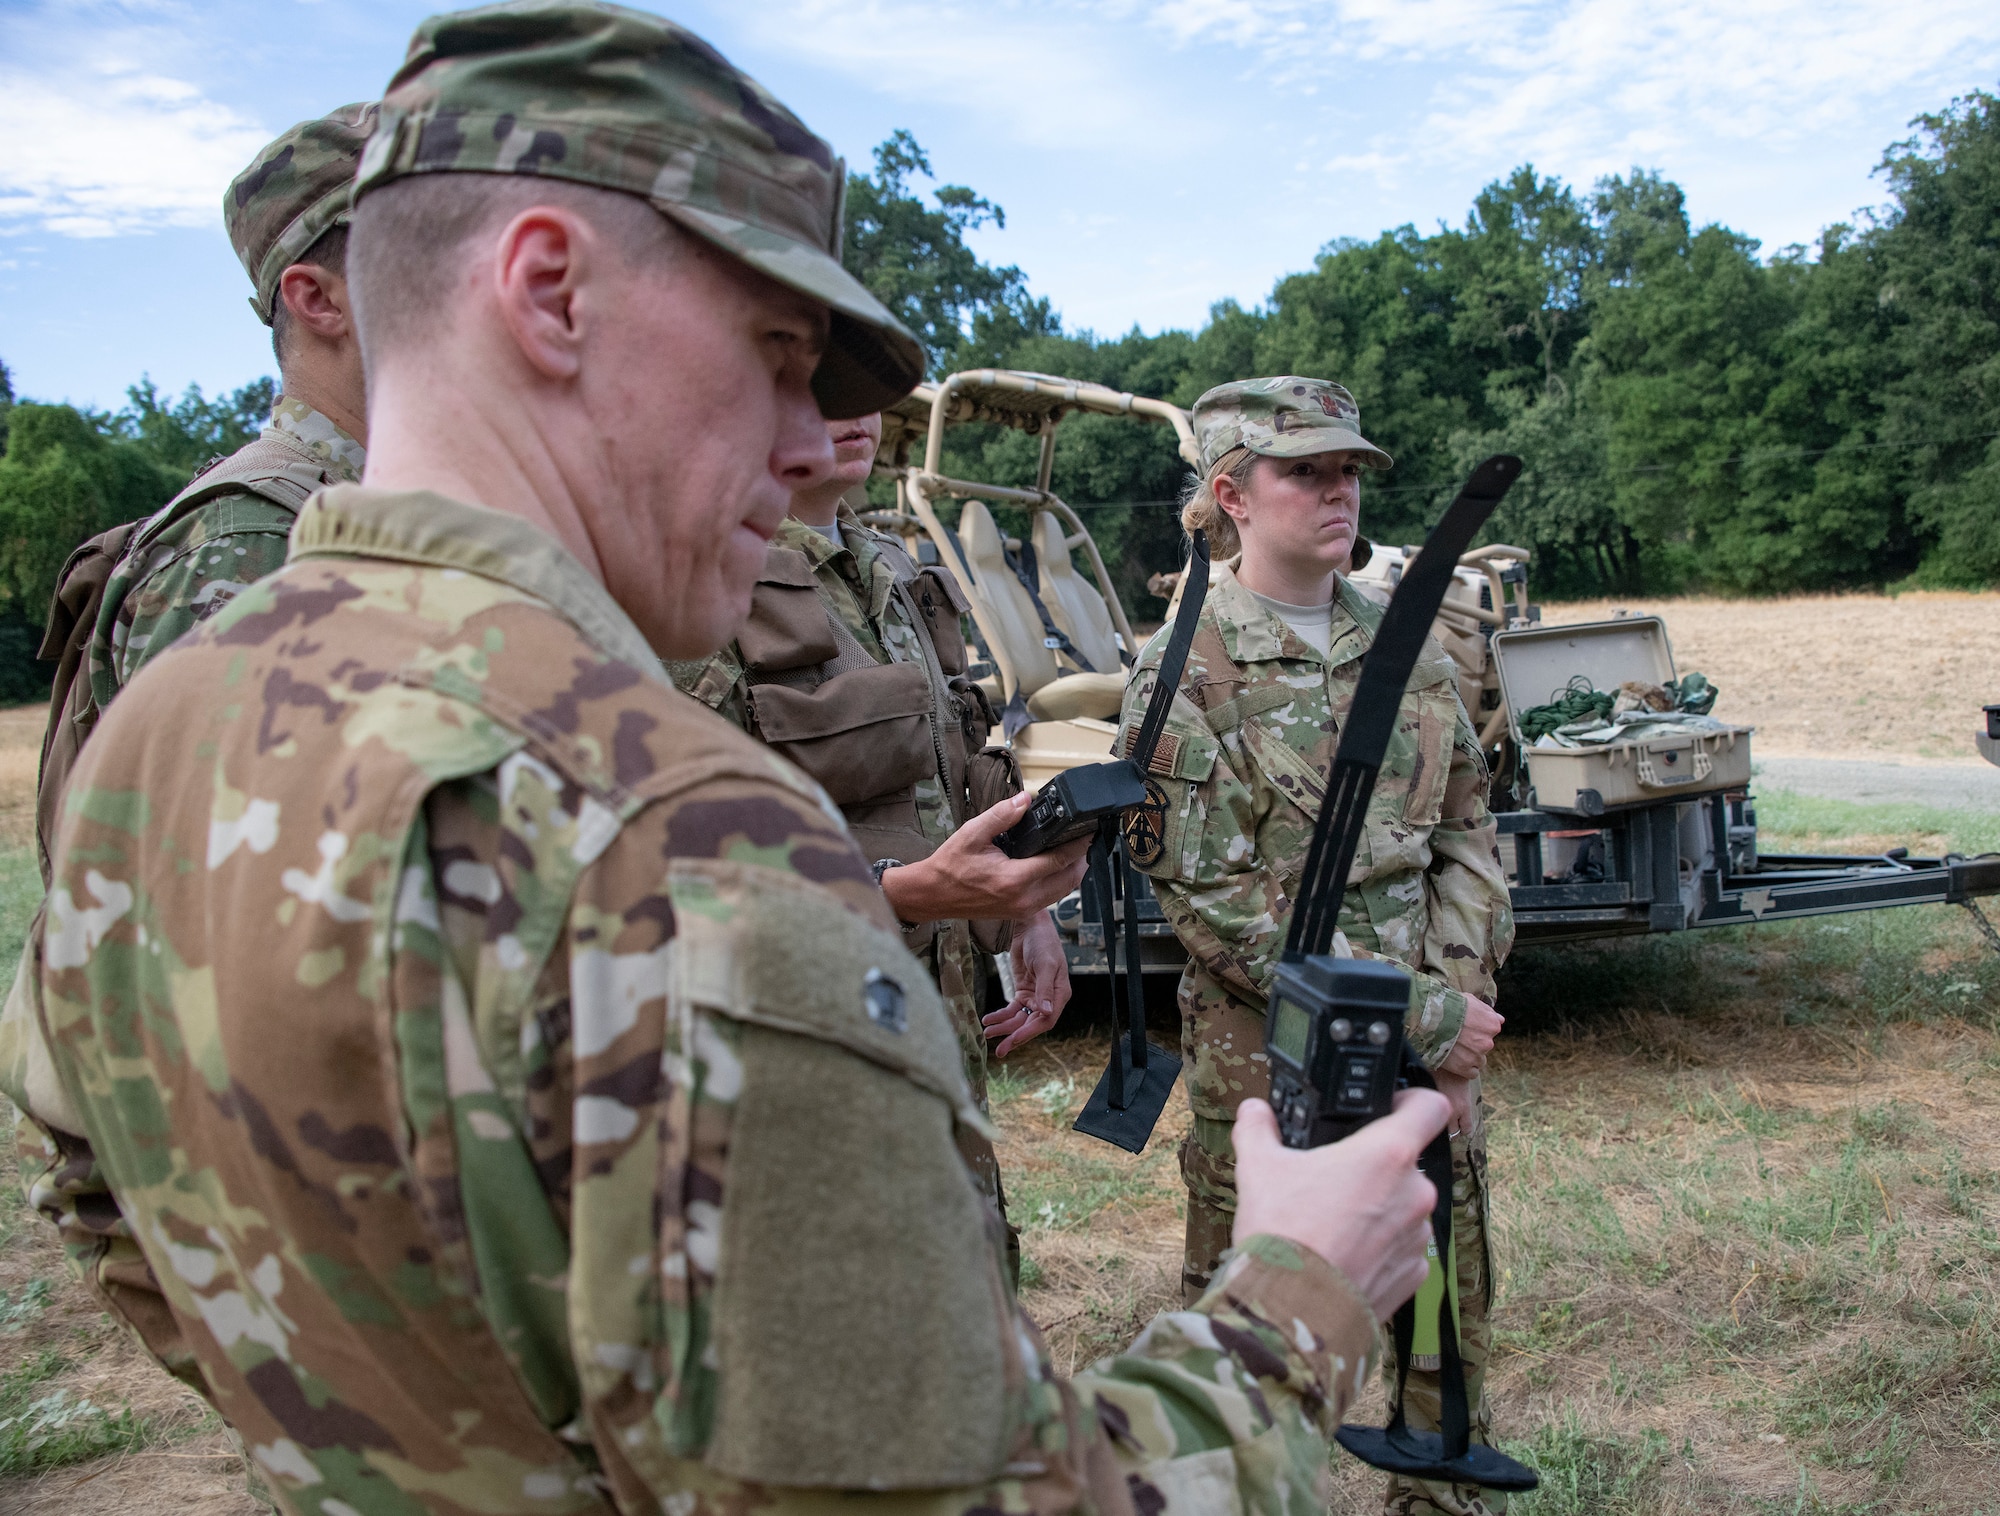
1208	1165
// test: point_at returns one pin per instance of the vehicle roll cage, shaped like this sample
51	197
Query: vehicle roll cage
1032	403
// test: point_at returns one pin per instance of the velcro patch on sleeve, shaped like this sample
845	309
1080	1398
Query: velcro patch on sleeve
860	1322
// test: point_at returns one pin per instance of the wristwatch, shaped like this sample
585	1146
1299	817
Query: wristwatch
880	867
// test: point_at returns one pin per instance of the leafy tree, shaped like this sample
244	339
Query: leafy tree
1560	509
184	434
62	480
6	403
913	258
1939	257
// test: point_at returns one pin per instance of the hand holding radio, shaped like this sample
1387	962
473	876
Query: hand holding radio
968	878
1360	1204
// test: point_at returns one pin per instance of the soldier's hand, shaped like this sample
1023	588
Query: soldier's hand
1463	1095
969	879
1041	984
1475	1040
1360	1204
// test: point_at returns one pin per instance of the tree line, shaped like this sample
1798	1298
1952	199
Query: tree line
1693	415
68	473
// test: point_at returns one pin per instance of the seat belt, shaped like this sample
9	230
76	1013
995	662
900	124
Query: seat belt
1027	569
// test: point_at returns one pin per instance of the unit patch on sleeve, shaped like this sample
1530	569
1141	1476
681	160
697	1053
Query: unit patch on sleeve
1146	827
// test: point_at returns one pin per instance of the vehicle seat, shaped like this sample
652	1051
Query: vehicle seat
1096	696
1014	632
1074	603
1013	628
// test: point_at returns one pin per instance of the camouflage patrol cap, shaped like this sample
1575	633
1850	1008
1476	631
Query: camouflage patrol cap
294	193
1285	417
600	95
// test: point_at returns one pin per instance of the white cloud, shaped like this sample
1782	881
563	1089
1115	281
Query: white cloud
1037	74
108	149
1605	83
106	134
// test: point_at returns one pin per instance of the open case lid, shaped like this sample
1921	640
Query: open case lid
1536	663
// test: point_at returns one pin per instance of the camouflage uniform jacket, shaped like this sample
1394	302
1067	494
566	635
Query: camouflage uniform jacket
1238	781
180	568
183	570
857	581
515	1082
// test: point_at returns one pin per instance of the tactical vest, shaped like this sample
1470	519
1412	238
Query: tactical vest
273	466
871	732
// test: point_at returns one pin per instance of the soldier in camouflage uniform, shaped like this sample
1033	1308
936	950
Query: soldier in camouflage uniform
287	219
894	729
1236	787
286	215
511	1071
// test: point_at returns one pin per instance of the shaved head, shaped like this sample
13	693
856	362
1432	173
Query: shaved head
415	239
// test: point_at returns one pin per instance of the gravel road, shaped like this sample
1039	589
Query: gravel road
1945	787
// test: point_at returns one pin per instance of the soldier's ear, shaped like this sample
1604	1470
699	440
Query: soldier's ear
315	299
542	259
1230	497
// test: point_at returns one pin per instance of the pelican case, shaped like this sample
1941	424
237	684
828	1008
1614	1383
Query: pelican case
1536	665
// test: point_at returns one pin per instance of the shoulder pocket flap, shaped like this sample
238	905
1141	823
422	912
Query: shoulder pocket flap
1430	671
762	946
859	698
1250	704
861	1330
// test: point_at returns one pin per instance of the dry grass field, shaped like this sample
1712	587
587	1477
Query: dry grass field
1838	676
1747	1184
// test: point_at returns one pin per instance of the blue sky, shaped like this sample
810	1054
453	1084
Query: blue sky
1152	158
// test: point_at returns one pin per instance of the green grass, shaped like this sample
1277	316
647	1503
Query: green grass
43	1427
1923	963
1586	1473
1680	1214
17	1310
1781	814
1066	1193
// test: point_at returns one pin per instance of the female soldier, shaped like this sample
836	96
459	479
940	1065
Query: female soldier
1235	788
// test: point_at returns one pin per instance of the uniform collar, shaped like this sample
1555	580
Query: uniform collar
316	433
809	540
1254	635
858	544
435	531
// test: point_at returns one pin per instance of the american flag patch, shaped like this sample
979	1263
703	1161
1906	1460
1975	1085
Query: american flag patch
1163	755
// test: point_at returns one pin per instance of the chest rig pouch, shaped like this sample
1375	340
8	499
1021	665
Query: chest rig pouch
864	730
871	732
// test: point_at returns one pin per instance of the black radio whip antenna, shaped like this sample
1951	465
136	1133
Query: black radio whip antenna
1371	719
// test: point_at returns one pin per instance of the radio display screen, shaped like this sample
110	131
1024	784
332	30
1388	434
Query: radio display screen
1288	1031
